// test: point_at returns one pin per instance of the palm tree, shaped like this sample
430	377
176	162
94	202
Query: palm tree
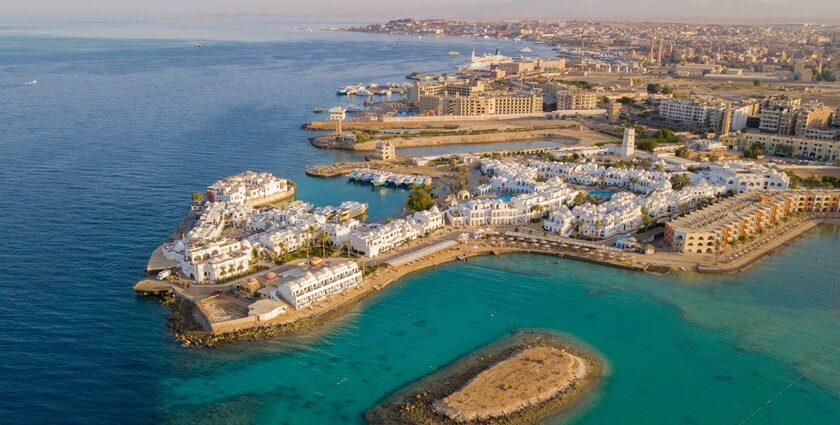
323	237
346	245
311	231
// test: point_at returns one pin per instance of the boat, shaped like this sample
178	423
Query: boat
383	92
198	44
30	83
454	53
317	110
420	180
342	92
350	209
366	177
352	174
526	50
379	180
364	92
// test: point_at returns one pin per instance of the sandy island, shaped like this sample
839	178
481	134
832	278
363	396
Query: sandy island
518	380
527	378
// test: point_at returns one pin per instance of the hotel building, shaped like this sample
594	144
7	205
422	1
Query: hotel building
318	282
703	231
249	187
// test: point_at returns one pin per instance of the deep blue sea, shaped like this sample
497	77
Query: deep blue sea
97	164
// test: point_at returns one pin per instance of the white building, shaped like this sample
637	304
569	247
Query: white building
621	214
249	187
742	176
317	283
560	221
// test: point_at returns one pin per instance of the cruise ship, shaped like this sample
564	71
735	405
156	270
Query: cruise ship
486	60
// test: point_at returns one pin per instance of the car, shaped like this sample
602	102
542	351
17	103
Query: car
218	292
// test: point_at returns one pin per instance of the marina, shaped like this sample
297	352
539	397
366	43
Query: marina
380	178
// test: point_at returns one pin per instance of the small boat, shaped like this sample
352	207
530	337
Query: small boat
364	92
352	174
454	53
198	45
366	177
419	180
317	110
526	50
30	83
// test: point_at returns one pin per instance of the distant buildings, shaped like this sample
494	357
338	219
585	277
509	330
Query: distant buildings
707	114
820	150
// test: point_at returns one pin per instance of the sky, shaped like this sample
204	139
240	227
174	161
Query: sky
705	11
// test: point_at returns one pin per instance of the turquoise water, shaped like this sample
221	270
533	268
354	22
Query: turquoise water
98	161
679	350
605	194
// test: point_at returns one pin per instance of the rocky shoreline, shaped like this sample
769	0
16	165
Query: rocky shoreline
415	403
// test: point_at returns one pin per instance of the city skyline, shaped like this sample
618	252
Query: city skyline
691	11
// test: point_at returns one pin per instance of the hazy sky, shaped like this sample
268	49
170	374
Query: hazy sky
821	11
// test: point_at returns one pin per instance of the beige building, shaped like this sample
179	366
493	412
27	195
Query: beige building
485	104
795	121
820	150
385	150
567	97
706	230
440	88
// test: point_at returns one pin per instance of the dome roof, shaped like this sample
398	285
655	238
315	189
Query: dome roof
271	275
252	280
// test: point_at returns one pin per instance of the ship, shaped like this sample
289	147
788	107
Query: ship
486	60
454	53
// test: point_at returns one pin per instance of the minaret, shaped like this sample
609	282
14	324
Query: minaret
628	144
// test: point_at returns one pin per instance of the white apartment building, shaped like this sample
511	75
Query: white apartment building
560	221
426	221
621	214
216	260
248	187
484	212
318	283
376	239
742	176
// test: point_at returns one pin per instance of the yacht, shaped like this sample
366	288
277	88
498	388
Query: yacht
350	209
379	180
198	45
364	92
526	50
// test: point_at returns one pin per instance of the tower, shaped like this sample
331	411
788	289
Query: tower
337	114
726	122
628	144
613	111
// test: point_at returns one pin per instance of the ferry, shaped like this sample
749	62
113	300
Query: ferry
485	61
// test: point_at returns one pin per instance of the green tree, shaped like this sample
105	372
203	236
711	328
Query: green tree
679	181
683	152
580	198
420	198
197	198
